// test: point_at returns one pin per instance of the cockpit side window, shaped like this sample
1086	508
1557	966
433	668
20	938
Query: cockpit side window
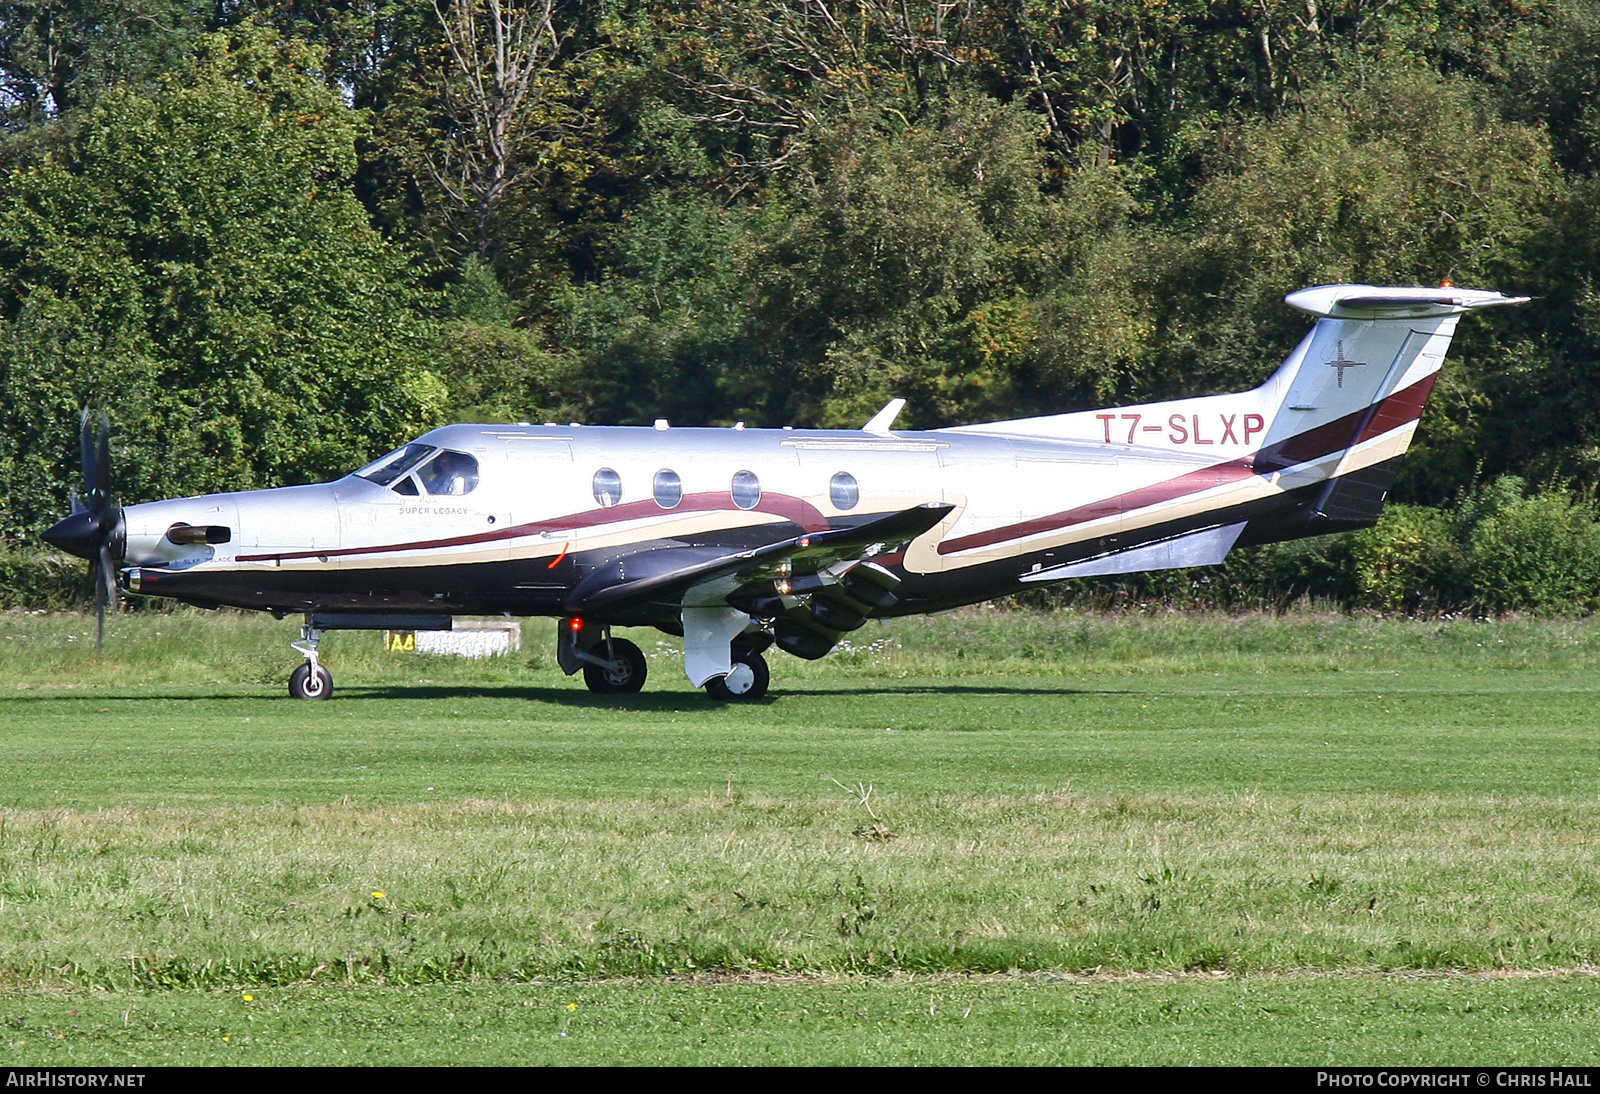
450	472
389	468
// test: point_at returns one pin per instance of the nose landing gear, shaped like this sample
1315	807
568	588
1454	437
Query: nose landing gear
310	680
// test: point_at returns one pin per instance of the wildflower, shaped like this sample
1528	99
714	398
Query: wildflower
249	998
377	894
572	1006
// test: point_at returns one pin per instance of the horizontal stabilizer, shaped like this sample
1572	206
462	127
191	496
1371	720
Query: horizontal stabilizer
1207	548
664	576
1370	302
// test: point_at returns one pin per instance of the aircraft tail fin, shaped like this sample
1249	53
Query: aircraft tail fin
1344	406
1339	412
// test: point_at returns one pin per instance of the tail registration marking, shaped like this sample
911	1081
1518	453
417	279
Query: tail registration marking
1192	428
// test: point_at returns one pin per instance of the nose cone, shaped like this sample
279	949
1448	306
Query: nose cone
80	534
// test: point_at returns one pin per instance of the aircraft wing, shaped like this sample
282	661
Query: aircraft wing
667	575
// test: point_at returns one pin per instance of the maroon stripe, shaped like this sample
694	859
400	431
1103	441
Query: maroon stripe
1399	409
1335	436
1191	483
799	512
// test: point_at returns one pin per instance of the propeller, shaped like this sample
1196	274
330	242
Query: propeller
95	530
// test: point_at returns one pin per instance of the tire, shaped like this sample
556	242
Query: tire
304	685
626	678
742	687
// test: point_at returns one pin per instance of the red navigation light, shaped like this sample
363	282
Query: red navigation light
1447	284
576	624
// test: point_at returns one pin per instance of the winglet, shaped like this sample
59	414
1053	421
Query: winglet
883	419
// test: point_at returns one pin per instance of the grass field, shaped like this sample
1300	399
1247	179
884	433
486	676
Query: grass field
992	836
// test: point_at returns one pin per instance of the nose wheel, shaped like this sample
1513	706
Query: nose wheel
310	680
746	681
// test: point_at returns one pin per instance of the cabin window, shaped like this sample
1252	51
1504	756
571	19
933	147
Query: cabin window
844	492
452	473
407	486
387	469
746	489
607	487
668	488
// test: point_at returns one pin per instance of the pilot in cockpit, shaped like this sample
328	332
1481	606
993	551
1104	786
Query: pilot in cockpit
450	473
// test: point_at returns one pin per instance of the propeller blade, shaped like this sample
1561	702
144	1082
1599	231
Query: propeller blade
97	462
86	454
108	575
100	600
89	531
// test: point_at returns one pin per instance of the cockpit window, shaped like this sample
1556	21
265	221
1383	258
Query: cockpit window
450	473
385	470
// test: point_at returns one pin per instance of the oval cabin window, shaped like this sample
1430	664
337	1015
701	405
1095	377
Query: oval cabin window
843	491
668	488
746	490
607	487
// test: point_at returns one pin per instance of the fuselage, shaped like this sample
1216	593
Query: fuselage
539	507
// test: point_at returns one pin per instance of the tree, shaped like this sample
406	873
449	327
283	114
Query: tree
500	53
197	258
1408	178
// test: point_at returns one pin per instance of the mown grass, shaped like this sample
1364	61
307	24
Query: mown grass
986	793
1306	1021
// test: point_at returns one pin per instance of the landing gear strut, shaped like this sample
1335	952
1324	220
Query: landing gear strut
611	666
310	680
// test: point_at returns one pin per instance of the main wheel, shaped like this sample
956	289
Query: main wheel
746	681
626	674
306	684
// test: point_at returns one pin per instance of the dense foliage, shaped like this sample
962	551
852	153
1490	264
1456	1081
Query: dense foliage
277	237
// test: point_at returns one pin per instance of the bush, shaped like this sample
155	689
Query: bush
34	579
1411	559
1539	553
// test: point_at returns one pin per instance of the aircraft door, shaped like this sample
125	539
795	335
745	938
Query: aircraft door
542	481
452	500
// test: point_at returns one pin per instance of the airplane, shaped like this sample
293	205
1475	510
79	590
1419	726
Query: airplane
740	539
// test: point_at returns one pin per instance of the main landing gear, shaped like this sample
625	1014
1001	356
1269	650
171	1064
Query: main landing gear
722	654
620	670
310	680
611	666
746	681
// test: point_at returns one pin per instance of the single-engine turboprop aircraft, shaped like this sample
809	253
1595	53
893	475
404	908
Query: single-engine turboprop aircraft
741	539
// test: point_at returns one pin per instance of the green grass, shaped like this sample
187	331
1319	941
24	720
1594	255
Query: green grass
1317	808
1301	1021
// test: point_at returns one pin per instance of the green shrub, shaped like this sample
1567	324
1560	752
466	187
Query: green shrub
33	579
1538	553
1410	559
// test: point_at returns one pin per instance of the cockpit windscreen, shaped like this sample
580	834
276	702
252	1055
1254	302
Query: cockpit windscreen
386	469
